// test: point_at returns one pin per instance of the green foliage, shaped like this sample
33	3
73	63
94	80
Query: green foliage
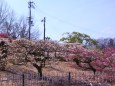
82	38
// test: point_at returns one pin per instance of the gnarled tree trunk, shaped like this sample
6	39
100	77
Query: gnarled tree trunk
39	68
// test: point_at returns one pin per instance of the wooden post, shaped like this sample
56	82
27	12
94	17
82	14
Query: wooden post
69	77
23	81
13	80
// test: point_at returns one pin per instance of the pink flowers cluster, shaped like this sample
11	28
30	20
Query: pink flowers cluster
93	59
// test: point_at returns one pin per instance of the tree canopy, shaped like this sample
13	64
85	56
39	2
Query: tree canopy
82	38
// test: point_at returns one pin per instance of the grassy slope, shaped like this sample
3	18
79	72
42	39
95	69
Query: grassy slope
52	69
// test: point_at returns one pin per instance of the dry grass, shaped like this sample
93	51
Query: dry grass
52	70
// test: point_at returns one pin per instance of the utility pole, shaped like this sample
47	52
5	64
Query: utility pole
30	6
44	20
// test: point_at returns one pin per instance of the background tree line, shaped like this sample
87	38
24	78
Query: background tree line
87	41
106	42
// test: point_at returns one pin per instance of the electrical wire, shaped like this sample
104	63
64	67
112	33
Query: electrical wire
55	18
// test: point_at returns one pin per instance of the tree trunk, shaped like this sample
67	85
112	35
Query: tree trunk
2	66
39	69
55	53
44	62
92	68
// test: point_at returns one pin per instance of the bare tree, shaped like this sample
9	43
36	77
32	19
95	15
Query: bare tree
15	28
105	42
3	13
21	28
8	24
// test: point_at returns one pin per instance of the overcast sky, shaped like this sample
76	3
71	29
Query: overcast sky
93	17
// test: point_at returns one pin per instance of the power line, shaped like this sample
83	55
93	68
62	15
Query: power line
56	18
38	10
60	20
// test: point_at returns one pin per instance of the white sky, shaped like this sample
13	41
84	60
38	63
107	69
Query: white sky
93	17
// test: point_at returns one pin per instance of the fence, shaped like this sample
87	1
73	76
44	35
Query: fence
53	79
